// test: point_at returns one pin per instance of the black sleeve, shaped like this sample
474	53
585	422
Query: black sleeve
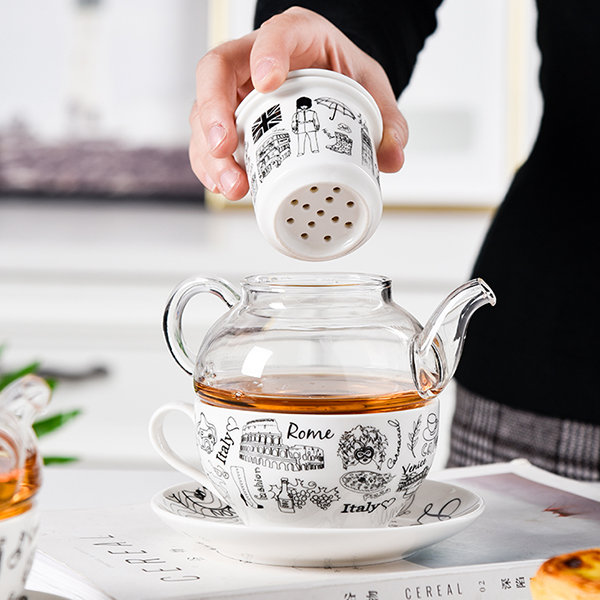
391	31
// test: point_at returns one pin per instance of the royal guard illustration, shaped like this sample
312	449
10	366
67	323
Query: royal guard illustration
305	124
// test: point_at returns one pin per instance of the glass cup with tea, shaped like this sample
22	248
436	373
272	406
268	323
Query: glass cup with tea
20	480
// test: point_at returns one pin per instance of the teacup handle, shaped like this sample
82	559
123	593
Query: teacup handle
161	445
173	315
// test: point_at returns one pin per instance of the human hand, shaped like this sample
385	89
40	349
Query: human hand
295	39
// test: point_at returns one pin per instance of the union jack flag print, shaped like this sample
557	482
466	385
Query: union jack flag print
266	121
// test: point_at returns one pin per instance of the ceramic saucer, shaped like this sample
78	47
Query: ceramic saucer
438	511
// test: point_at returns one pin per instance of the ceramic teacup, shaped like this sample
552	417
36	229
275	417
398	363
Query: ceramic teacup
309	149
307	470
18	538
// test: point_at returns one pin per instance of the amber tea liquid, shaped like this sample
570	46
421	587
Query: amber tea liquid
18	486
311	394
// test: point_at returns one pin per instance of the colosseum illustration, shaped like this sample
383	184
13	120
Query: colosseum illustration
261	444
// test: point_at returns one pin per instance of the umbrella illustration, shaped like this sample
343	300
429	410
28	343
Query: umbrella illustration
335	105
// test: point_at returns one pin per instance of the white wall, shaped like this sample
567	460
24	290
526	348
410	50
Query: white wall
105	69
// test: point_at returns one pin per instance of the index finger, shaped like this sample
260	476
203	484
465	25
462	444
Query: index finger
219	75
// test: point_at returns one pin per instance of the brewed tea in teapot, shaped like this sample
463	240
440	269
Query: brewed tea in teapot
321	343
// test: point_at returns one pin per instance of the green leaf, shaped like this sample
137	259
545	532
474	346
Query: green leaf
45	426
59	460
8	378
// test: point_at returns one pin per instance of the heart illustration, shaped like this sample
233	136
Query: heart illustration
231	424
387	503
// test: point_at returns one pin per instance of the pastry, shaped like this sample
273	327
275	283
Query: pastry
573	576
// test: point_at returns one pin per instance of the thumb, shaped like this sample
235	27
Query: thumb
390	154
270	55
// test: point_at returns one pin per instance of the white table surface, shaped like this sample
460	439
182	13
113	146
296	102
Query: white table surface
71	487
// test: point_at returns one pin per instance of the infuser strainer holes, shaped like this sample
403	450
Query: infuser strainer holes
320	225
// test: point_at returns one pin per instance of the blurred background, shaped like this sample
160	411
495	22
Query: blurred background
101	215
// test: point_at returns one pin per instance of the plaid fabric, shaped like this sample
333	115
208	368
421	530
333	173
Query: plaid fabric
484	431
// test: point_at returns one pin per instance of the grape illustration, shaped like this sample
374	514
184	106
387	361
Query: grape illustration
299	496
324	498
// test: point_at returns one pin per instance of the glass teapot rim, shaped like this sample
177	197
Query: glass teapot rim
323	281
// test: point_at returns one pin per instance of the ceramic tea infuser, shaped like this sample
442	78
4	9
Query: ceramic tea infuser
309	149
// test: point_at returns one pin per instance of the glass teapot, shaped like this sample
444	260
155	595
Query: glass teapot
320	343
20	462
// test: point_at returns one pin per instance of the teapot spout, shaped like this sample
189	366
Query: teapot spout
437	349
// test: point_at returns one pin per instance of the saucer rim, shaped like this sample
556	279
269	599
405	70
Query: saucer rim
470	514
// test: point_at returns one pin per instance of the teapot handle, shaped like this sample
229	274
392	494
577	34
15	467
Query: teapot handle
173	315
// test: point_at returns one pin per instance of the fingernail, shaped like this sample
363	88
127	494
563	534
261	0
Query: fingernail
228	180
400	137
263	68
210	184
215	135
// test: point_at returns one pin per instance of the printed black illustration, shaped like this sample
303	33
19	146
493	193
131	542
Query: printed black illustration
201	502
305	124
17	556
218	476
207	434
226	442
413	436
250	170
261	444
369	507
369	483
342	142
362	445
430	435
291	497
443	513
272	152
407	501
259	485
266	121
335	106
285	502
394	459
239	477
412	476
366	147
